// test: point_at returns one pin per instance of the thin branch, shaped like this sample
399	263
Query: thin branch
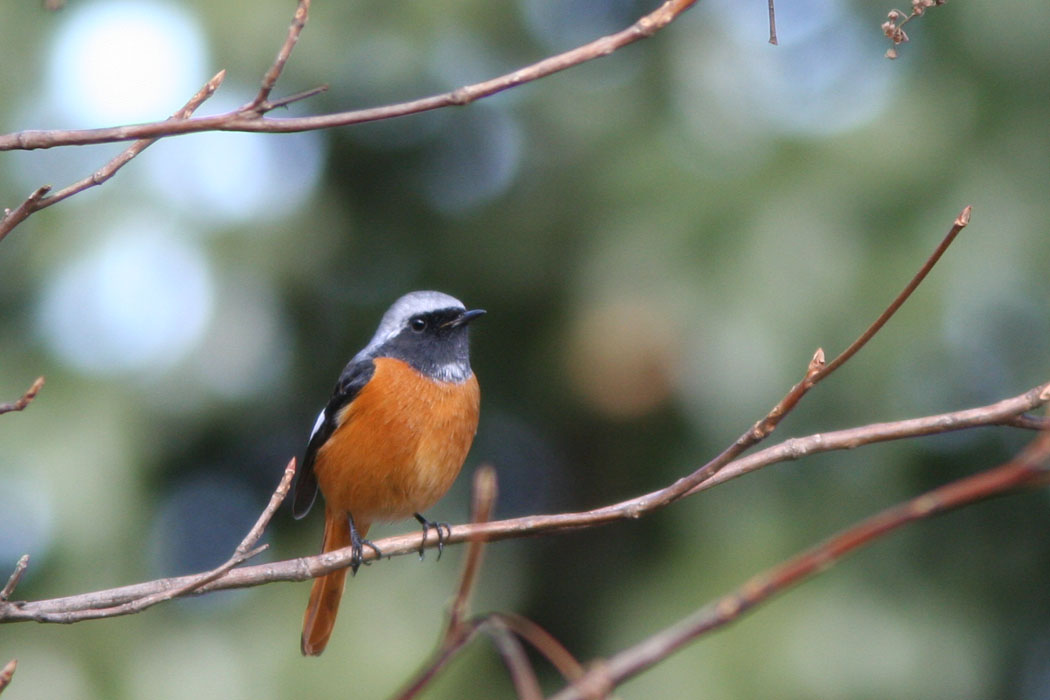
13	217
302	569
459	631
189	584
260	104
1000	413
440	659
1029	422
25	399
484	499
522	675
815	372
961	222
542	641
893	27
38	200
1030	469
16	576
6	672
239	120
772	24
297	97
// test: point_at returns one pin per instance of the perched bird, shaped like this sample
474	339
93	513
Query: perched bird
392	438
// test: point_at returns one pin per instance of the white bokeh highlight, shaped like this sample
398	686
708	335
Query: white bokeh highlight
121	62
139	301
228	178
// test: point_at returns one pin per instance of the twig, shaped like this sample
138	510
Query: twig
459	631
297	97
188	584
239	120
309	567
440	659
542	641
260	105
305	568
1029	422
38	200
16	576
522	675
6	673
1029	469
961	222
815	372
1000	413
25	399
772	24
893	27
485	491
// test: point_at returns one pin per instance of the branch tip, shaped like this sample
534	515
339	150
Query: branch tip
6	673
964	218
816	363
26	398
16	576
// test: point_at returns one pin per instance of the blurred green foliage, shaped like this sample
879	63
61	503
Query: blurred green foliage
661	238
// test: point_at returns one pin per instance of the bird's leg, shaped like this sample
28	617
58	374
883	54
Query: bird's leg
444	531
357	545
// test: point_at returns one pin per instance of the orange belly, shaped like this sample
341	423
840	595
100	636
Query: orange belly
398	450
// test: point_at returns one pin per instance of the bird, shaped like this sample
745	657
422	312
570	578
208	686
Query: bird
391	440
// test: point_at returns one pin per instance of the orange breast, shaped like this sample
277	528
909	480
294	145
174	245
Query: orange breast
399	445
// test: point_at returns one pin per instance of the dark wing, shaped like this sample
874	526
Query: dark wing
353	378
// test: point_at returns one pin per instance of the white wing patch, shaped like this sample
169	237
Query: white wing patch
317	424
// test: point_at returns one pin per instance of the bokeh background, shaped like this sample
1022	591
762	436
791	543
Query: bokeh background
661	238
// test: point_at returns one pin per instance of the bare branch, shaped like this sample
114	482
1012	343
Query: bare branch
485	491
960	223
304	568
16	576
526	685
254	121
459	631
772	24
893	27
38	200
260	104
1028	470
175	588
25	399
1029	422
1001	413
815	372
6	673
542	641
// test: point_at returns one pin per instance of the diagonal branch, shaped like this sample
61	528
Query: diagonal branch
15	578
254	121
302	569
189	584
485	492
459	631
40	199
25	399
815	372
6	673
260	104
1030	469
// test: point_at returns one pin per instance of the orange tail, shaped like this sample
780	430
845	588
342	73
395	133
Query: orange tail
327	590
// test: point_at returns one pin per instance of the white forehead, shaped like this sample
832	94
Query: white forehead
408	306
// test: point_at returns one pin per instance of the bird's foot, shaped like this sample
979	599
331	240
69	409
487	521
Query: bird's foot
444	531
357	549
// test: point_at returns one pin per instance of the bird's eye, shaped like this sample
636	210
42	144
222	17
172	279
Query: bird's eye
418	324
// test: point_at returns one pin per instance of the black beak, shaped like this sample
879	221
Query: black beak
464	318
